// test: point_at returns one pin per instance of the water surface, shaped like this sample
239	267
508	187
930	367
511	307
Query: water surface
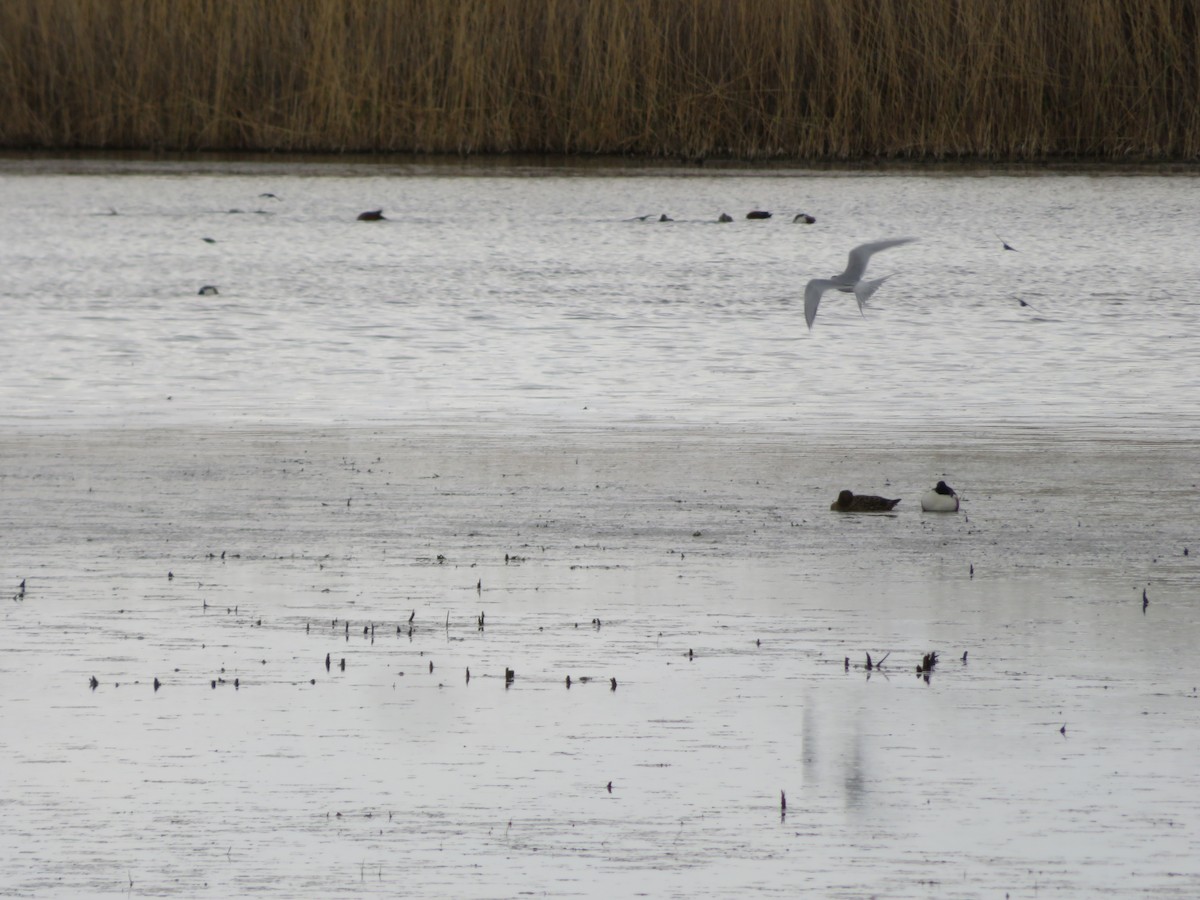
616	441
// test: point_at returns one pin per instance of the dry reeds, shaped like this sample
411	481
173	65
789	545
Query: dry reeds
835	79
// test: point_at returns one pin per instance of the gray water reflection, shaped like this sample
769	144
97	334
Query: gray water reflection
728	598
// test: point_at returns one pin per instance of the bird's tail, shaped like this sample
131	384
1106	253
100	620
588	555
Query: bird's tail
864	289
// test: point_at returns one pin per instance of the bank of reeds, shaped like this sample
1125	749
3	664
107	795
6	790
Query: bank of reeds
835	79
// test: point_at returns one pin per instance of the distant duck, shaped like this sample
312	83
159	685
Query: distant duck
371	215
724	217
848	501
665	218
758	214
804	219
940	499
208	290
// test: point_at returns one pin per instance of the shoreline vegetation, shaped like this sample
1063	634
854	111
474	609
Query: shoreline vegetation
818	80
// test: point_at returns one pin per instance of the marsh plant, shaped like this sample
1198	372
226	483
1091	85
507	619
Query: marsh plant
837	79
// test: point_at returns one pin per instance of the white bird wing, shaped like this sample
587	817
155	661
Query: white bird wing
864	289
812	297
861	255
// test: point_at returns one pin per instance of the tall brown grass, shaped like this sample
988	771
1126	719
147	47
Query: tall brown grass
833	79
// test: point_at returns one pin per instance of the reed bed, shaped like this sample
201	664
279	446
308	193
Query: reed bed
808	79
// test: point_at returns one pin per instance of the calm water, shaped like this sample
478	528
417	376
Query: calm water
618	442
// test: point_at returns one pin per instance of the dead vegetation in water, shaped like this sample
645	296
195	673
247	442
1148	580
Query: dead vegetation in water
837	79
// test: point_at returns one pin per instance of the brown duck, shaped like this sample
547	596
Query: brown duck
848	501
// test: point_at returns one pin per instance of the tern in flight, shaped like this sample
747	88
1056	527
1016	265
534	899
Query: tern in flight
850	281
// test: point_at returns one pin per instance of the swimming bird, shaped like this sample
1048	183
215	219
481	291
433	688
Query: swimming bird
371	215
848	501
208	290
940	498
850	281
724	217
758	214
803	219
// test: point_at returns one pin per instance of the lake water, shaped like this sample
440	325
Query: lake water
617	442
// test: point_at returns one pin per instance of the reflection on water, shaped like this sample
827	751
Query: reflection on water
617	441
701	570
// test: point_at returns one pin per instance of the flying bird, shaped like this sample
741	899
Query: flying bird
851	280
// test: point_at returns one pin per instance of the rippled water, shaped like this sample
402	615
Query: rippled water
617	441
531	294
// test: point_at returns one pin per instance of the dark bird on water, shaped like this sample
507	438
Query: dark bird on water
1145	601
371	215
803	219
758	214
208	290
848	501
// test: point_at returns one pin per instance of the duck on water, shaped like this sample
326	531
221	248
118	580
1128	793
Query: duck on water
848	501
940	498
